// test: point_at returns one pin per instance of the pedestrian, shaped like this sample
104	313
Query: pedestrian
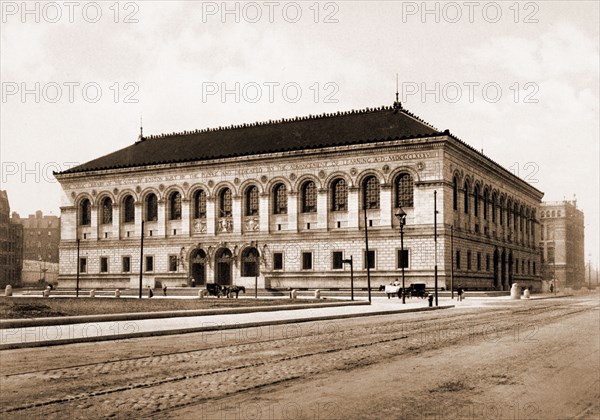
396	283
551	288
430	299
150	293
459	292
165	290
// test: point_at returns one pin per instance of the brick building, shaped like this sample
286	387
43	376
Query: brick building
562	244
41	239
11	246
285	202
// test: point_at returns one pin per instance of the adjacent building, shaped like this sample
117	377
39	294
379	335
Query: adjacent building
41	239
287	203
562	245
11	246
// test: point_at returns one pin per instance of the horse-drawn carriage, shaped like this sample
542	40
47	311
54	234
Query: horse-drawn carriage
414	290
219	290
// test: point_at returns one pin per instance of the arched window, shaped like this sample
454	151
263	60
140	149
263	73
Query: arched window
129	209
252	200
339	195
521	218
85	212
225	203
455	193
527	221
516	217
175	206
486	198
501	210
250	263
371	193
106	207
309	197
466	197
476	201
279	199
199	204
494	203
508	210
533	222
404	190
151	208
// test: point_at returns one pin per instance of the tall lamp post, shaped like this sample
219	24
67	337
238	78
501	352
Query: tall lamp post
401	215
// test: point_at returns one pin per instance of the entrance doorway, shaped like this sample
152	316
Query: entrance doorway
198	267
223	260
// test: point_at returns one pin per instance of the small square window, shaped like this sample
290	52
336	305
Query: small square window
149	263
83	265
104	264
336	261
402	260
278	261
126	264
307	261
172	262
370	257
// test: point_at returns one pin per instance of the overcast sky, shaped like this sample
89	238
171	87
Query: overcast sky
518	80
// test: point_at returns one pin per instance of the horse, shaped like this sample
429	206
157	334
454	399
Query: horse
228	290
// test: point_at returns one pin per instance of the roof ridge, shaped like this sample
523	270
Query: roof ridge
285	120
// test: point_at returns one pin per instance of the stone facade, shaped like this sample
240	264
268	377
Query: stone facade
562	245
292	213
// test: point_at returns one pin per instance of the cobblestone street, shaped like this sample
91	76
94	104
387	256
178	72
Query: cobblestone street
392	366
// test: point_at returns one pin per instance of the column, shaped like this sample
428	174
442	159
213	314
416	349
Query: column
162	219
185	217
385	205
353	207
210	215
94	223
322	209
116	221
236	210
138	219
263	211
292	211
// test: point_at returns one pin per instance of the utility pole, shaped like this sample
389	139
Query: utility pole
452	261
367	259
435	244
141	258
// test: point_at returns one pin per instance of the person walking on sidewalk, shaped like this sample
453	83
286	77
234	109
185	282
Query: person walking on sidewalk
165	290
150	293
459	292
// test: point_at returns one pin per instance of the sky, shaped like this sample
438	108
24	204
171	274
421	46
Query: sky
518	80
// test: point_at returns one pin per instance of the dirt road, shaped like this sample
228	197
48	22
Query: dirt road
513	360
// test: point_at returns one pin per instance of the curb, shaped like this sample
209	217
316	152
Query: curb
82	319
210	328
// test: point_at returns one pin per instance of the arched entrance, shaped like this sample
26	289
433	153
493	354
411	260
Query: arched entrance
223	260
250	262
198	267
496	274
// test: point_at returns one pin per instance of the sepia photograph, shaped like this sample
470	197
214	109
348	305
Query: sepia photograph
300	210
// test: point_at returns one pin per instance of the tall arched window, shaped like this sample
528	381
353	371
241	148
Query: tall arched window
225	204
339	195
516	217
521	219
279	199
508	211
486	197
251	200
494	204
371	192
129	209
476	201
151	208
455	193
501	211
250	263
309	197
466	197
106	208
527	221
199	204
175	206
85	212
404	190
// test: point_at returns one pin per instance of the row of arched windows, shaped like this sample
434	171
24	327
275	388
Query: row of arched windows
502	211
403	188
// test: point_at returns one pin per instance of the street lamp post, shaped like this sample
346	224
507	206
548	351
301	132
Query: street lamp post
401	214
452	261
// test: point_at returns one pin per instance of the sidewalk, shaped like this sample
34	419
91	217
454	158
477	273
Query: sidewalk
48	335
